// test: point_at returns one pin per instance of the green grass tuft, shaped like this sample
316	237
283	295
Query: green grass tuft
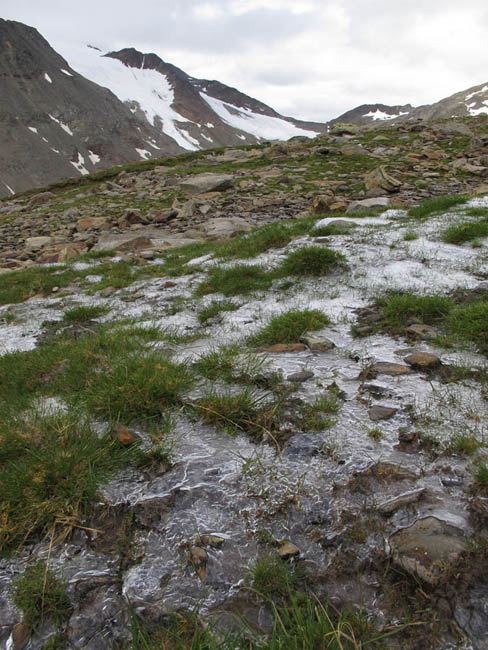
214	309
438	204
467	231
311	260
50	469
237	280
138	388
470	323
84	313
289	327
397	307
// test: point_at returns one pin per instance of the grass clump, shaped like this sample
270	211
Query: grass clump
396	308
242	411
41	595
273	578
138	388
214	309
311	260
314	416
237	280
470	322
331	229
438	204
467	231
289	327
50	470
18	286
481	477
464	445
84	313
410	235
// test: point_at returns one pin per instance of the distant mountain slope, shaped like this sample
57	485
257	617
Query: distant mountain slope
372	113
470	102
60	119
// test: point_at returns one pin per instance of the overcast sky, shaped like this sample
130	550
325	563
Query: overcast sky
310	59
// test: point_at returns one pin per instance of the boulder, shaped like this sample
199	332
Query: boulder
202	183
318	343
321	203
380	179
36	243
423	361
40	199
131	218
225	227
93	223
378	412
127	242
344	128
393	369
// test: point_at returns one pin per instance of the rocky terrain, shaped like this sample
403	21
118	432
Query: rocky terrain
244	398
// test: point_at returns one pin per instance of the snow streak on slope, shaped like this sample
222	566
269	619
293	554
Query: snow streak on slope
381	115
261	126
149	88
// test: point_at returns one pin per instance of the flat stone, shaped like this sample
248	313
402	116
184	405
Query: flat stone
423	361
225	227
368	204
20	635
88	223
124	435
393	369
35	243
202	183
378	412
318	343
298	377
284	347
401	500
288	550
428	548
126	242
421	331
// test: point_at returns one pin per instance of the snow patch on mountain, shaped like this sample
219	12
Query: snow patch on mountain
65	127
80	165
261	126
149	88
381	115
47	78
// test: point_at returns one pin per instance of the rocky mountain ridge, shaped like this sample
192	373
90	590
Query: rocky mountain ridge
57	123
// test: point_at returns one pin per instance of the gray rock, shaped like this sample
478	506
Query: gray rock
368	204
224	227
378	412
387	368
380	179
428	548
403	499
298	377
318	343
202	183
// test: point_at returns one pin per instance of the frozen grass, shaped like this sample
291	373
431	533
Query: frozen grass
470	323
41	595
289	327
314	416
214	309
